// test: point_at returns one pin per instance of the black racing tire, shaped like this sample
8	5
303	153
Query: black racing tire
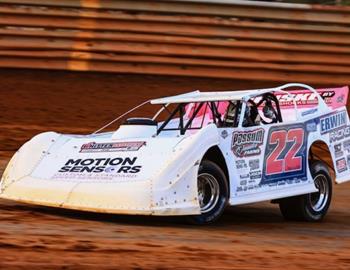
211	181
310	207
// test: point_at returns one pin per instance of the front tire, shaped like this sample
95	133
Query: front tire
313	206
213	193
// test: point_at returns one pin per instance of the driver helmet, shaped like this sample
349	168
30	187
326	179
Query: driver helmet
230	114
268	110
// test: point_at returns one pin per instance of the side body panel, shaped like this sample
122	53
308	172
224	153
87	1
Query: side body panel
267	162
271	161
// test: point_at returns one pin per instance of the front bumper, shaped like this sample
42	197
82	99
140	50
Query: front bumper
132	197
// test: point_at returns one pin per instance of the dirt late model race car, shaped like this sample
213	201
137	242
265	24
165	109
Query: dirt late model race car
199	153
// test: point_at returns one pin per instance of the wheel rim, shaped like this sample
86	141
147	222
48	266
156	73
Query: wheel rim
208	192
319	199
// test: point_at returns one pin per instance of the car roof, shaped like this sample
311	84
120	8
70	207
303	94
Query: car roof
198	96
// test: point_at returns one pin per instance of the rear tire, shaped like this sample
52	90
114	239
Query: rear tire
213	193
312	206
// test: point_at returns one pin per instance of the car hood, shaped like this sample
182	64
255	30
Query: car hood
72	158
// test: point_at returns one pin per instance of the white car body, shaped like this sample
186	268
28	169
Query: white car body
135	170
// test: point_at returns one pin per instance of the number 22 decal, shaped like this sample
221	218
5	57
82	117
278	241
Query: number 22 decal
284	157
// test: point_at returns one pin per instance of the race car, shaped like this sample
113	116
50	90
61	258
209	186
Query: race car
199	153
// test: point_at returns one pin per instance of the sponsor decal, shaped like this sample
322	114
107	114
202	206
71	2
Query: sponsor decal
247	143
302	98
241	164
242	189
255	175
254	164
338	150
224	134
341	98
332	122
306	98
243	182
244	176
341	165
311	126
239	189
250	181
311	111
339	134
93	147
96	166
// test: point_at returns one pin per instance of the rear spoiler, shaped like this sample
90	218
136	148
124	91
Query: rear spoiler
305	98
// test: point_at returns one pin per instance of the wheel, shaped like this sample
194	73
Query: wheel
212	193
313	206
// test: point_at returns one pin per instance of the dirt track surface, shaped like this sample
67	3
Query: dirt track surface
247	237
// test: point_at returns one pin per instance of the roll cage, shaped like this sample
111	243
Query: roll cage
216	116
183	127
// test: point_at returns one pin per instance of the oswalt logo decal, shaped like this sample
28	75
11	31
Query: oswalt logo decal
247	143
93	147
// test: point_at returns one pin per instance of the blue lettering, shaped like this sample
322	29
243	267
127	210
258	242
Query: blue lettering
333	122
327	124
